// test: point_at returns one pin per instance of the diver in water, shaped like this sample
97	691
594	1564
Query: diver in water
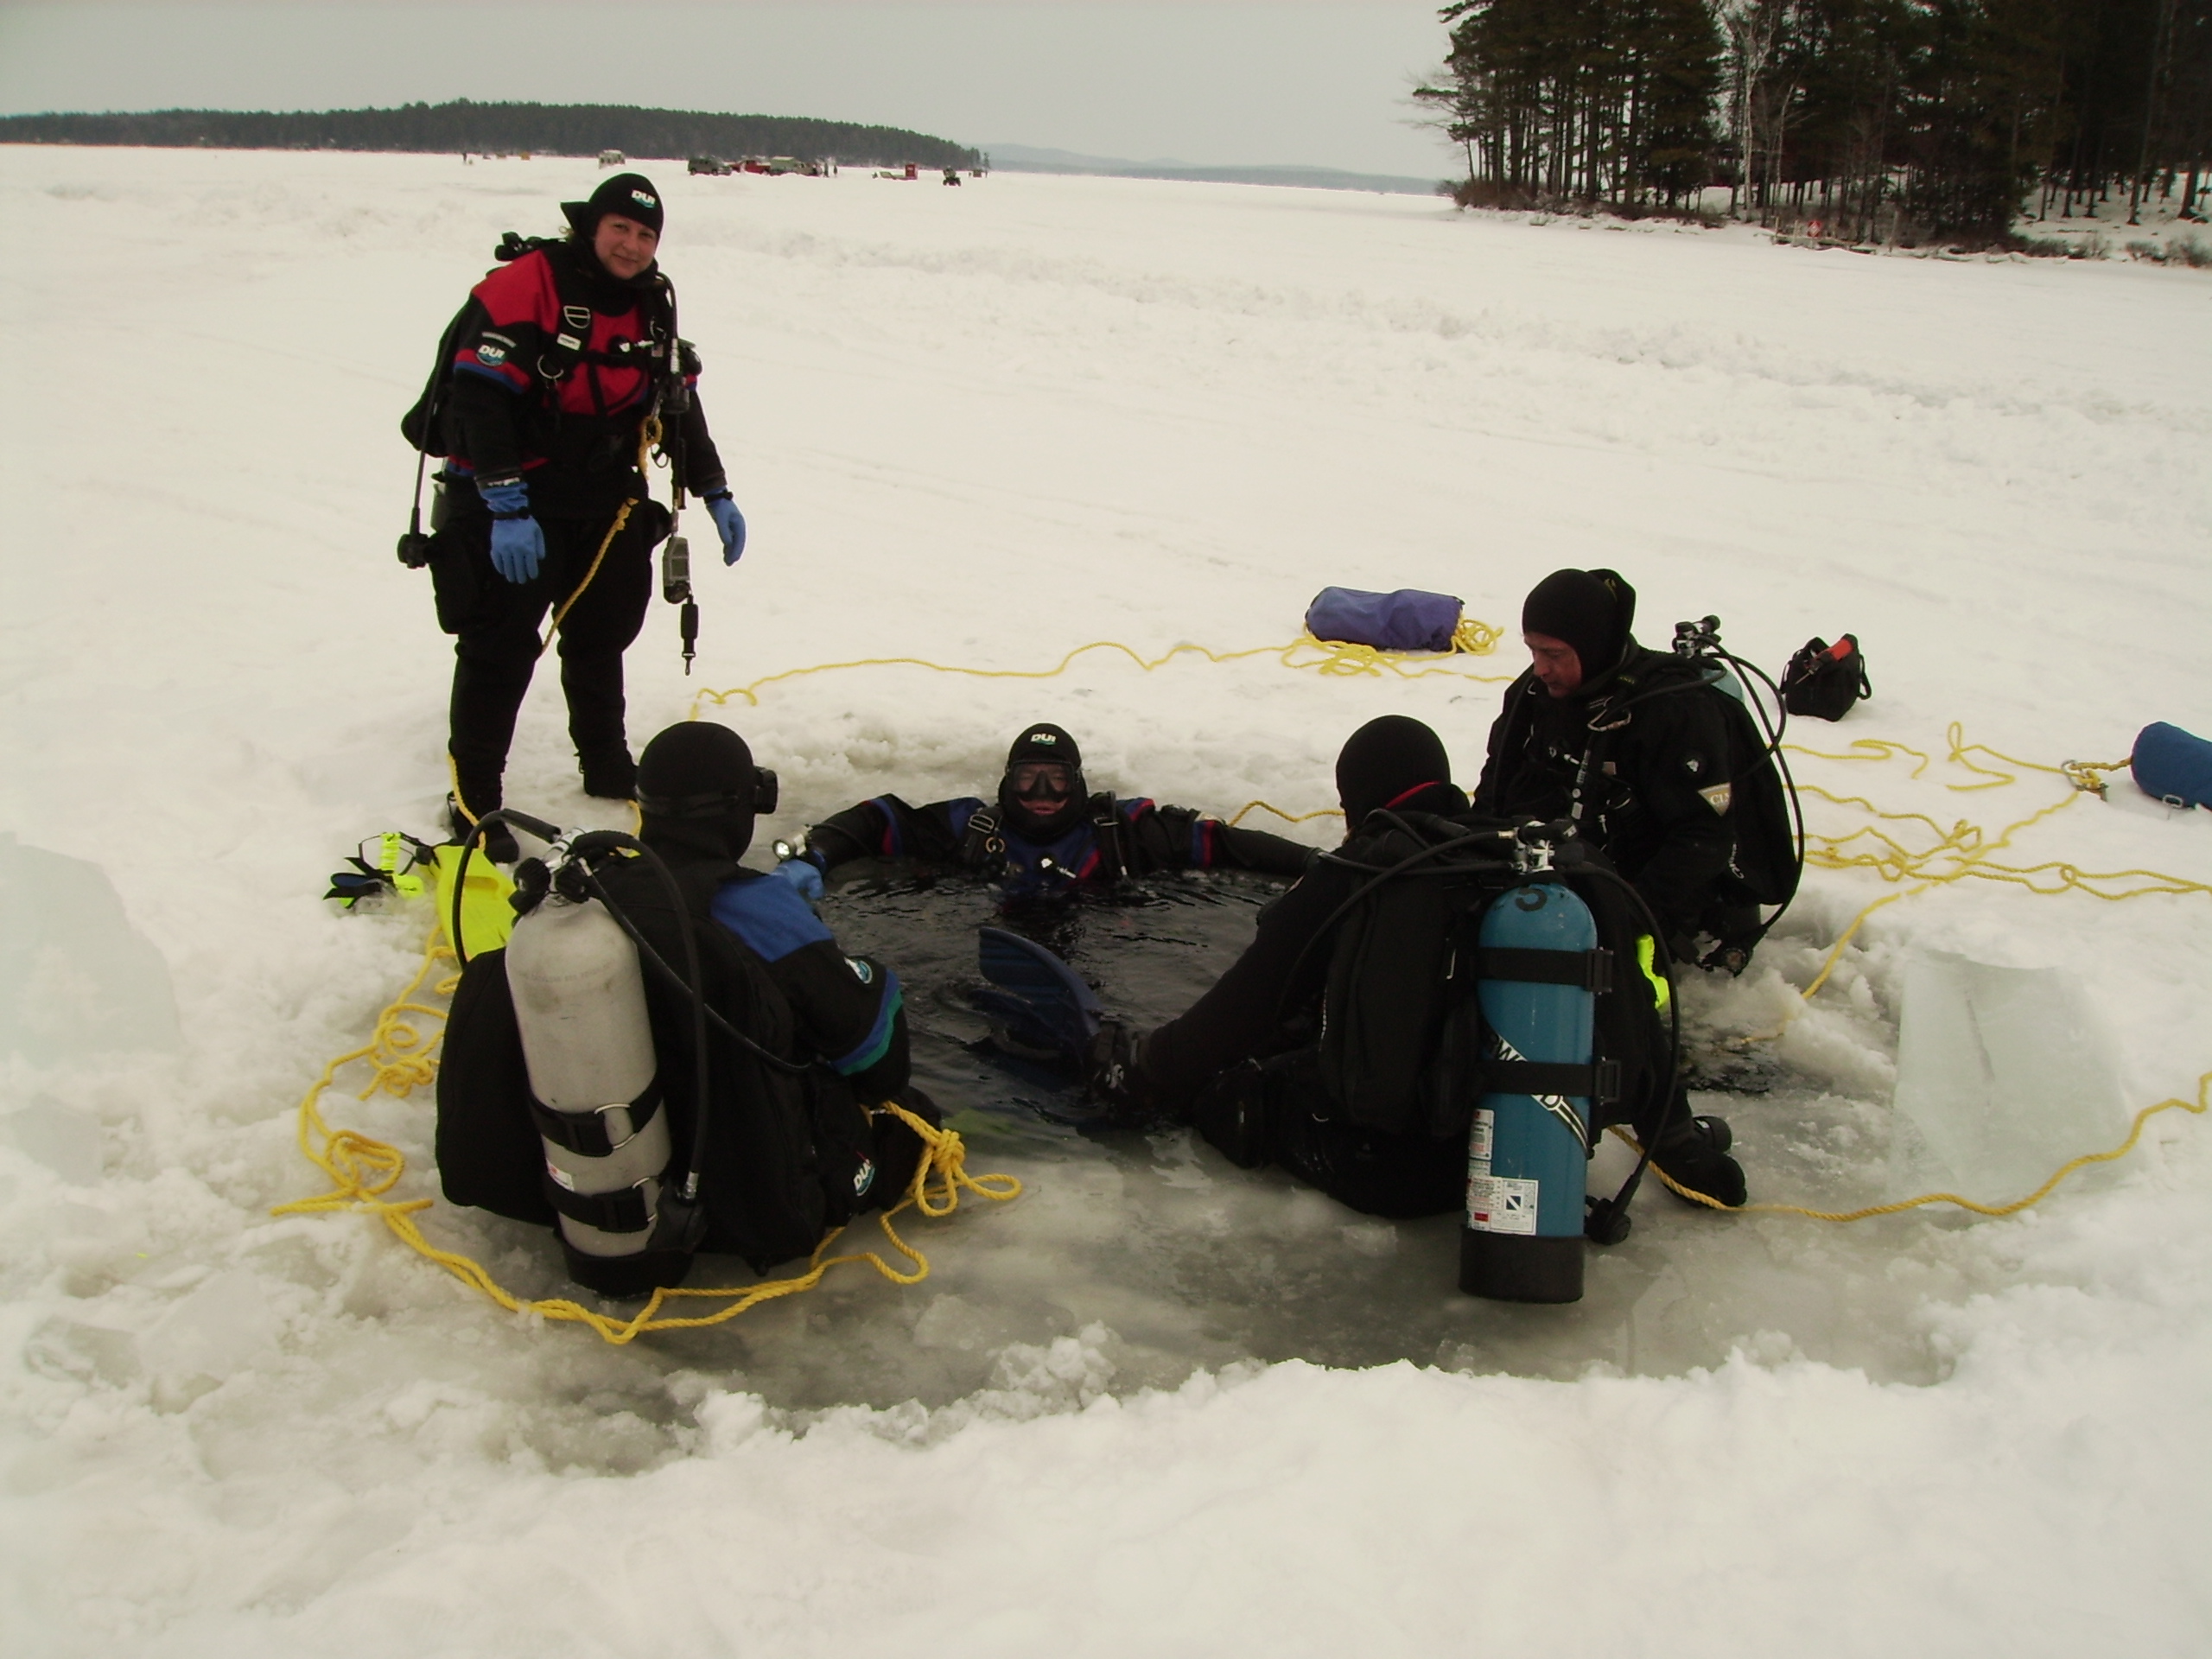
1045	831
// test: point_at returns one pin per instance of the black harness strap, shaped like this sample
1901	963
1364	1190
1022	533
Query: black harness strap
982	846
1106	825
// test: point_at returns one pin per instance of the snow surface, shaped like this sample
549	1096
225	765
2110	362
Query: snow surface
984	426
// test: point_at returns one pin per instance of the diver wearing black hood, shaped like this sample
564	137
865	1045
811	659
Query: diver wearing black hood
1046	830
1662	801
1266	1008
788	1155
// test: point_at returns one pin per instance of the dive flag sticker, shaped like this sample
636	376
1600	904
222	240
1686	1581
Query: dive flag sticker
1499	1203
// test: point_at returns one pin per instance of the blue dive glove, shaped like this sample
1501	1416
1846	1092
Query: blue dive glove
802	874
730	522
518	543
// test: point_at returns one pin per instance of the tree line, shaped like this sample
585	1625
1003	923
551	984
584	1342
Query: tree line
1885	119
541	129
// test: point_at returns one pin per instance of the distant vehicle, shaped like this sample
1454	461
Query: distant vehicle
613	158
713	166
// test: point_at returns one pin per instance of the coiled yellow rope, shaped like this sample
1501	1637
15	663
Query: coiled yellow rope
362	1170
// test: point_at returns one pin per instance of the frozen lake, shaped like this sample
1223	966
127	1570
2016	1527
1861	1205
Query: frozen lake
1154	1405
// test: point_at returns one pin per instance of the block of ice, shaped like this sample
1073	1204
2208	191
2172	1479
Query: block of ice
221	1327
2003	1075
66	1141
75	977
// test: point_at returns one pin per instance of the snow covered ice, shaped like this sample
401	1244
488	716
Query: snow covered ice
1157	1405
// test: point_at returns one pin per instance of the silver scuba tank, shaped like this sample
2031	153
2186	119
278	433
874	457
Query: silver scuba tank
580	1002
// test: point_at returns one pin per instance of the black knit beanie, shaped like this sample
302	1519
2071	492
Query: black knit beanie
631	194
696	786
1387	757
1590	610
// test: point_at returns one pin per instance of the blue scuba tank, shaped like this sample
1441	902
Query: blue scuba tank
1528	1154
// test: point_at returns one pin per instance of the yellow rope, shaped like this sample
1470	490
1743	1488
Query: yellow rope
1288	817
1324	657
2198	1107
362	1170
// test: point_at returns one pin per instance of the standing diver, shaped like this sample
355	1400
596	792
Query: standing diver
1045	831
563	369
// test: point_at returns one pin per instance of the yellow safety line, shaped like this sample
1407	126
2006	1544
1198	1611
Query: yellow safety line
362	1170
1335	658
2198	1107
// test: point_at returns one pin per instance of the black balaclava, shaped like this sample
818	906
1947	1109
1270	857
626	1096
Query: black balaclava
1389	758
696	786
631	194
1590	610
1043	742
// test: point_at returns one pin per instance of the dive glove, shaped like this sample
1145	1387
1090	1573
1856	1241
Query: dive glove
518	543
802	874
730	522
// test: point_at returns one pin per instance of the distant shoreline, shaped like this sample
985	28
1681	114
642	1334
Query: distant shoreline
491	129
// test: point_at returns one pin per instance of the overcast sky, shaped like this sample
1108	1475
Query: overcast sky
1321	85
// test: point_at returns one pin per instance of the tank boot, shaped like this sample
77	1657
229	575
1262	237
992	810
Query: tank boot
609	774
498	844
1693	1154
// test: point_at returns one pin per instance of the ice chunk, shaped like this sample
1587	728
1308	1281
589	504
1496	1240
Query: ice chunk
2003	1075
66	1141
220	1328
75	977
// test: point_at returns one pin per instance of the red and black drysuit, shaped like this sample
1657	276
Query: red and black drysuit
556	366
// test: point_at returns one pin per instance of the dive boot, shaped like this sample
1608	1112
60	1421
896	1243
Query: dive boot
1693	1154
498	844
609	774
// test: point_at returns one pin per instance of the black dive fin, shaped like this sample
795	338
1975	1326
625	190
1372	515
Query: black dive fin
1039	1008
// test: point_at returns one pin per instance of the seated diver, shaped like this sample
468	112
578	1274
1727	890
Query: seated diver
1044	830
802	1043
1242	1065
1660	770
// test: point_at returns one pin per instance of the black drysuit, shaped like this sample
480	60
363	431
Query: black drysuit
1239	1063
1663	805
787	1155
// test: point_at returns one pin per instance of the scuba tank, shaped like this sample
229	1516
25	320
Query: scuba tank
1528	1153
580	1003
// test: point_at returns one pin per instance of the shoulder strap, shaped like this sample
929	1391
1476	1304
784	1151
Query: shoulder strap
982	846
1106	825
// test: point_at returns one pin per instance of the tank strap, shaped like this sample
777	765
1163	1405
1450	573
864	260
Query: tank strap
585	1132
623	1210
1599	1083
1588	970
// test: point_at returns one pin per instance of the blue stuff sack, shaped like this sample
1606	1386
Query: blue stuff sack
2173	765
1408	620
